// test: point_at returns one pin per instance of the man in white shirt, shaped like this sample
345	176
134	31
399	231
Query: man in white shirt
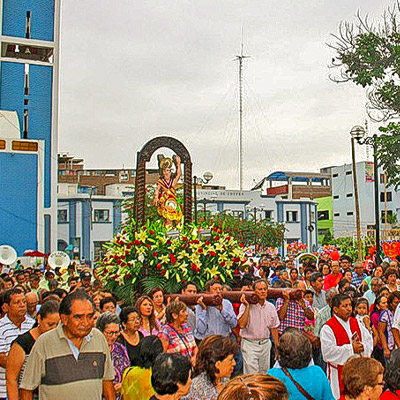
341	338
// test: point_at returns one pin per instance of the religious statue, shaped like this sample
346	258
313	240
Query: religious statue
165	193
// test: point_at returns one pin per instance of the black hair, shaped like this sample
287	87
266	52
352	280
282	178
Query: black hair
60	292
347	258
9	293
107	300
314	276
342	283
338	299
49	307
361	300
168	371
392	371
34	277
186	284
125	312
66	303
148	350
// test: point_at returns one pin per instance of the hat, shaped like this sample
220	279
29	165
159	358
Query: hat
85	275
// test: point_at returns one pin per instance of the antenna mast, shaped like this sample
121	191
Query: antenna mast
240	59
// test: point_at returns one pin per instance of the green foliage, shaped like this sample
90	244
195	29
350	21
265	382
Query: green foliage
328	238
348	246
369	56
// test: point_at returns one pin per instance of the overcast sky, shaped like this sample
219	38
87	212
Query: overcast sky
133	70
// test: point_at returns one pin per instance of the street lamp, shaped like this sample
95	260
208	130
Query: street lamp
207	176
358	134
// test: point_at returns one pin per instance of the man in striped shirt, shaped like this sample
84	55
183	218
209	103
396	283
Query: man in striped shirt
13	324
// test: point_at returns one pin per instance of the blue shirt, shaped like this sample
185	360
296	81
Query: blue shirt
214	322
312	379
357	279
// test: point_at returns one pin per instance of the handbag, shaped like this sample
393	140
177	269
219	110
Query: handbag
299	388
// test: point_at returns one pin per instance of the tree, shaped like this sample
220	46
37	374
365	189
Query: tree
368	54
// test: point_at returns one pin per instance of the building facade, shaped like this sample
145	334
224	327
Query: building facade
344	217
29	70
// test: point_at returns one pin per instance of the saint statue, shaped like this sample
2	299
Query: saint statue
165	193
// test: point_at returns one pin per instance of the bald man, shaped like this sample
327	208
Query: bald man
32	302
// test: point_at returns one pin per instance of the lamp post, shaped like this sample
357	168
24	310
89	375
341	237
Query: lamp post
207	176
359	135
356	131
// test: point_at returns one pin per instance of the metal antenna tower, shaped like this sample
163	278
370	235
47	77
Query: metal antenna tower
240	59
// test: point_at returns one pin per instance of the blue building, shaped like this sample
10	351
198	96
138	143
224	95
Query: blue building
29	63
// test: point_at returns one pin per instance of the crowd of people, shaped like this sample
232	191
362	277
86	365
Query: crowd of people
63	335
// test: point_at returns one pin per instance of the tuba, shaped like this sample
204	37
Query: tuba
8	255
58	259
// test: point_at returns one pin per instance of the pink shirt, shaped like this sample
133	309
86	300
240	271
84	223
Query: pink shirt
261	319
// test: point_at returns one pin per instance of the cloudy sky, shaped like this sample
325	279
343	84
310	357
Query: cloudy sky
132	70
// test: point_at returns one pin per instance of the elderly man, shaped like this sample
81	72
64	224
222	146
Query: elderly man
72	361
342	337
358	275
257	322
332	279
32	302
13	324
370	294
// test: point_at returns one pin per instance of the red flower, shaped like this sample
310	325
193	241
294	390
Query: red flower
241	244
163	272
185	239
196	241
158	266
128	275
212	253
127	252
168	241
207	242
147	245
151	232
137	242
217	277
216	237
223	263
235	271
200	251
155	254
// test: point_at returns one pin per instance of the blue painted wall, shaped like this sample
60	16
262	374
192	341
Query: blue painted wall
18	205
72	220
12	88
117	218
303	222
40	94
86	217
42	18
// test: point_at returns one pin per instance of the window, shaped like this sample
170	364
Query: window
336	214
336	196
237	214
388	196
323	215
389	214
335	175
101	216
62	216
349	172
349	195
291	216
99	250
382	178
268	215
350	213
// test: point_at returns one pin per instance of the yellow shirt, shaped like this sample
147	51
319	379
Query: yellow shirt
136	384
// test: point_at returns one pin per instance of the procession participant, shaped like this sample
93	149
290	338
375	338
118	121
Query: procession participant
175	335
130	336
14	323
317	283
34	282
391	276
190	288
332	279
86	279
370	294
257	323
293	313
52	365
212	320
391	377
358	274
341	337
148	322
345	263
157	295
377	273
171	377
108	304
47	319
8	283
214	365
108	323
32	302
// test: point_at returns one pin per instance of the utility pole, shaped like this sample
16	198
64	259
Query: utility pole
240	59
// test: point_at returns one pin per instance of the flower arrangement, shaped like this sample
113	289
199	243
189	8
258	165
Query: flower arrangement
295	248
147	257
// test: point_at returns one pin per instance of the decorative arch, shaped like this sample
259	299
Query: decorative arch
144	156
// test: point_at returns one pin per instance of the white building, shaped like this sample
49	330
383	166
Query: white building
344	217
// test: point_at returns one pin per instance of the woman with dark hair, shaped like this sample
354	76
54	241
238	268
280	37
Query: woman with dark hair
256	387
108	324
136	382
157	295
47	319
176	336
215	363
392	377
294	356
391	276
362	379
385	324
380	305
148	323
130	335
